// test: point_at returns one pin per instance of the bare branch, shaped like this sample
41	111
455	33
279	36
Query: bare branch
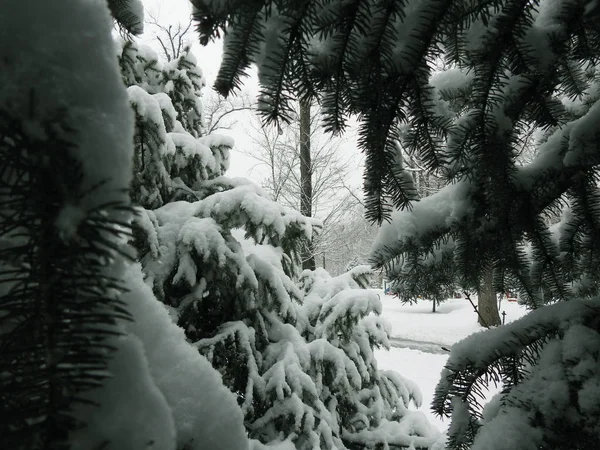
219	110
162	44
172	38
353	194
216	124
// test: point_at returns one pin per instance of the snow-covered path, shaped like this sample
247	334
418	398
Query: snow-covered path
424	346
418	336
422	368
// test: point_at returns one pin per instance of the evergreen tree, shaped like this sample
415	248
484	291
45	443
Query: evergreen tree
512	65
89	359
224	258
64	215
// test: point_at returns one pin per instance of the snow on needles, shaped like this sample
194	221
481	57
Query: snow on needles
451	79
242	207
481	348
437	212
49	70
567	366
192	388
161	390
136	9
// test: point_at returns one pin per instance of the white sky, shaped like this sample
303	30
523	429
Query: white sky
173	12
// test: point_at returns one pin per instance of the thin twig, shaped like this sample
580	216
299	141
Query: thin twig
468	296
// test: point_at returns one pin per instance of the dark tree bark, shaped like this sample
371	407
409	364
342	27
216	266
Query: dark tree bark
308	257
487	305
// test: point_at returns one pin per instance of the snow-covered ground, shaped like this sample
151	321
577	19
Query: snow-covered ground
418	336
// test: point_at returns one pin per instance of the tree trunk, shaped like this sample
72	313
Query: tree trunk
308	257
434	305
487	306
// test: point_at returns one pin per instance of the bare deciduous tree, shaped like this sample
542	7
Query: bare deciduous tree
426	182
278	150
306	171
222	113
173	39
349	240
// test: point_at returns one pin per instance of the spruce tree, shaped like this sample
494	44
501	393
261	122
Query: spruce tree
89	359
64	216
513	66
296	348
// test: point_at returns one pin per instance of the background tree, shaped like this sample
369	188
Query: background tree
296	349
524	64
174	39
425	181
349	241
333	199
306	186
428	183
222	113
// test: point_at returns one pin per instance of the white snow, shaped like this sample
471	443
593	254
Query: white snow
405	28
454	320
461	419
68	220
475	35
132	411
437	212
217	140
422	368
244	206
451	79
187	148
161	390
205	412
342	306
181	233
583	138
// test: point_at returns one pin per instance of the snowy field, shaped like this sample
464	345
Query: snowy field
418	336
